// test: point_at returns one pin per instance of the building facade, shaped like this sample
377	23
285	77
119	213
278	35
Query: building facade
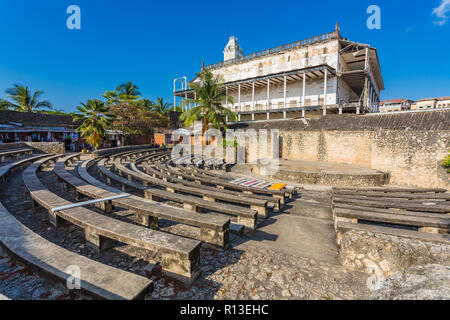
394	105
312	77
432	103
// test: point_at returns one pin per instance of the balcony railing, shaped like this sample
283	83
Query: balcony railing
297	44
297	105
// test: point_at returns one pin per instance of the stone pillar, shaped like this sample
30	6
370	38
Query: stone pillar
106	206
267	115
284	93
268	95
303	112
218	238
98	242
145	220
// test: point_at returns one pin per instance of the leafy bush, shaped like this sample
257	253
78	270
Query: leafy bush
446	163
226	143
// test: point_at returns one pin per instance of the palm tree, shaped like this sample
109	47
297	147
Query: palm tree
209	101
160	106
126	92
128	88
24	100
96	118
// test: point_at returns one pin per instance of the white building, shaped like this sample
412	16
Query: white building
394	105
311	77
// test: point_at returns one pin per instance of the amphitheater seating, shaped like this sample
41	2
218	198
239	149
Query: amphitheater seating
117	150
9	168
214	229
225	185
245	217
180	256
210	194
50	259
97	279
343	227
14	153
174	177
424	209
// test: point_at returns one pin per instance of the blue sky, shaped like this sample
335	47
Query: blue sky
152	42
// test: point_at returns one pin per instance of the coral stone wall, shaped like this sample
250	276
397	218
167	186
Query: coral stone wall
407	145
411	157
384	255
38	147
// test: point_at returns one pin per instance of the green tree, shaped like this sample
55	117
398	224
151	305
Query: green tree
209	101
95	118
4	105
24	100
126	92
128	88
161	107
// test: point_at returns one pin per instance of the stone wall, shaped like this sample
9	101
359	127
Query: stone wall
384	254
409	146
48	147
38	147
411	157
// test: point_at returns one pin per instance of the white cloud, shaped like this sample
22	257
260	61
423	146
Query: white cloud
441	12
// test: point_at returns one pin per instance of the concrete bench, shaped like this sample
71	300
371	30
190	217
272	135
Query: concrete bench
175	178
245	217
9	168
438	206
109	151
432	237
390	190
433	224
396	195
15	154
180	256
135	153
97	279
385	250
210	194
220	183
214	230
